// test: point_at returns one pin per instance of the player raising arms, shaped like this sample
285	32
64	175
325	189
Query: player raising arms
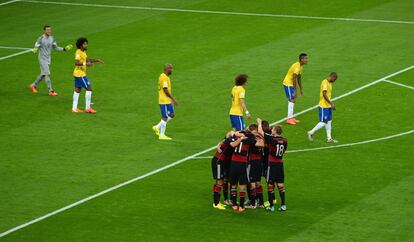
238	104
220	167
275	171
166	101
238	165
44	45
81	80
292	79
325	108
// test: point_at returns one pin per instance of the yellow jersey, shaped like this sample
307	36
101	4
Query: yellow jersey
296	68
325	86
81	57
237	93
163	82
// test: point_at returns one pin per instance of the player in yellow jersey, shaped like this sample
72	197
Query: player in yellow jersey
325	108
238	104
81	80
166	102
292	78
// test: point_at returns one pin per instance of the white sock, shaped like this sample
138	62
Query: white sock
75	100
290	109
168	119
163	127
88	97
159	124
317	127
328	128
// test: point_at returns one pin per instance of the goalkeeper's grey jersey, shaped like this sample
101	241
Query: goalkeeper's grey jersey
45	45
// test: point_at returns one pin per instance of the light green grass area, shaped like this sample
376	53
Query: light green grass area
50	157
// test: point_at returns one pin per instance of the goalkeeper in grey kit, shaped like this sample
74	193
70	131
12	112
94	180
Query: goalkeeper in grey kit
44	45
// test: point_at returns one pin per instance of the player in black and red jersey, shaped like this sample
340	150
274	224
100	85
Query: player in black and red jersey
220	168
275	172
259	190
238	167
254	172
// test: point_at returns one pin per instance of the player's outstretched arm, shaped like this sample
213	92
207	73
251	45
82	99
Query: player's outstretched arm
99	61
259	127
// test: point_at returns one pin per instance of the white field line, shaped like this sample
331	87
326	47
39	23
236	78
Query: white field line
14	48
399	84
170	165
336	146
16	54
8	2
223	12
352	144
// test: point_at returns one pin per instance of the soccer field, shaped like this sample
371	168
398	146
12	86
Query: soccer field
56	166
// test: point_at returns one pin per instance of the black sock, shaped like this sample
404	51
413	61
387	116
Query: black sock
270	193
226	190
252	196
216	194
242	197
282	195
259	195
234	196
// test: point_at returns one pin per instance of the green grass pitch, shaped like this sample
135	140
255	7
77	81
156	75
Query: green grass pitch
50	157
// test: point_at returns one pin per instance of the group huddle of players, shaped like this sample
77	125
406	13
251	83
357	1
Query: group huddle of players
241	160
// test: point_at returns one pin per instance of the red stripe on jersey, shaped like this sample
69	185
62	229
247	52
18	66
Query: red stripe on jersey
274	159
239	158
255	156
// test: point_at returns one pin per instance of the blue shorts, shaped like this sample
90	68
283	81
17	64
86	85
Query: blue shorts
325	114
166	110
290	92
82	82
237	122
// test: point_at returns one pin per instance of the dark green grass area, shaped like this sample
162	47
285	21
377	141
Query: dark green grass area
50	157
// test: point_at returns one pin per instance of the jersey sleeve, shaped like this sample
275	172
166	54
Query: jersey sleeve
77	56
38	42
324	86
56	47
242	93
163	81
296	69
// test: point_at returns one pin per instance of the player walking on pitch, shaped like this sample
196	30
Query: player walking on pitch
81	80
44	45
325	108
292	78
166	101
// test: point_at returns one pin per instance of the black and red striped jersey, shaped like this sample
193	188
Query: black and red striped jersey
226	149
241	152
277	146
255	153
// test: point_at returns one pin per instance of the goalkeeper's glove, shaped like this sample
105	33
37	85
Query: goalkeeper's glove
35	50
68	47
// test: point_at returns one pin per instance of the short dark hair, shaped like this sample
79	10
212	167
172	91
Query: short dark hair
241	79
302	55
46	26
252	127
80	42
333	74
278	129
266	127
